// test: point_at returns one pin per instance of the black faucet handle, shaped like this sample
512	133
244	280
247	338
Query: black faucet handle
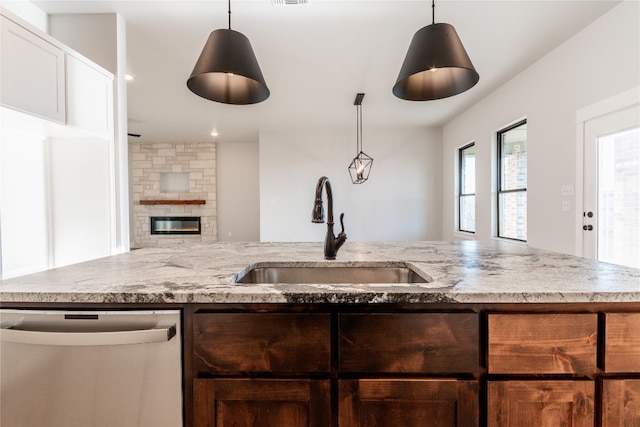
342	237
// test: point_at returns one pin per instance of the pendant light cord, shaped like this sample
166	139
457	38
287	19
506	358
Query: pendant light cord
358	130
229	3
433	12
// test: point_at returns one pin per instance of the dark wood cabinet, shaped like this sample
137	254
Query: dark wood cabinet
282	343
227	347
408	403
557	343
470	365
622	342
566	403
541	344
261	402
422	344
621	403
278	369
621	396
436	343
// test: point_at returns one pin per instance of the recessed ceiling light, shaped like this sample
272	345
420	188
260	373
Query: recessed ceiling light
214	133
128	77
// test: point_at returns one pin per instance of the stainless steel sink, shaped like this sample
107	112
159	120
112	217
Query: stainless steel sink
364	273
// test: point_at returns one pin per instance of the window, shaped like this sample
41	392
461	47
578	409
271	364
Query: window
467	188
618	214
512	182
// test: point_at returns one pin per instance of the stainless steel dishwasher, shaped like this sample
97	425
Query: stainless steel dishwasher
90	368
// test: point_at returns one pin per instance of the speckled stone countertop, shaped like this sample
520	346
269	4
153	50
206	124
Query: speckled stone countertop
459	272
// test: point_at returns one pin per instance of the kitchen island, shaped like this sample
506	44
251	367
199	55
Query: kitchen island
499	334
459	272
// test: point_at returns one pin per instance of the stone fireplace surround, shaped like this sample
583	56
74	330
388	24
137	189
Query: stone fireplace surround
148	161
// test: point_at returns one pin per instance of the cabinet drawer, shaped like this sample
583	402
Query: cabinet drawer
408	402
418	343
540	403
251	402
622	342
542	343
261	342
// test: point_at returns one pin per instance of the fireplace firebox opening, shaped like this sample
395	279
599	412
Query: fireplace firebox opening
175	225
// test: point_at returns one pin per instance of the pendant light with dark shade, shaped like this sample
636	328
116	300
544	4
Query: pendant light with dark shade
227	70
360	166
436	66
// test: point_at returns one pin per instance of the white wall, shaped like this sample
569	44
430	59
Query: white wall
27	11
238	191
598	62
94	35
400	201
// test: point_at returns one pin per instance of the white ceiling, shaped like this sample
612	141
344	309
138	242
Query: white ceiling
316	57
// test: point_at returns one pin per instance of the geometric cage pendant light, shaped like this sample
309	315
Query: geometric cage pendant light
227	70
360	166
436	66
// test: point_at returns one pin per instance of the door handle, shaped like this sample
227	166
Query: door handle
144	336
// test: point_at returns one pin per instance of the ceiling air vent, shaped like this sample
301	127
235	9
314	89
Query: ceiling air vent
281	2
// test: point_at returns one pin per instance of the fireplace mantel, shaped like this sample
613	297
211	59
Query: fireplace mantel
173	202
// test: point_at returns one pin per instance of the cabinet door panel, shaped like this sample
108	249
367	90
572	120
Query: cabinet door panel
622	342
542	343
421	343
89	97
32	72
80	199
407	403
261	342
621	403
540	403
258	402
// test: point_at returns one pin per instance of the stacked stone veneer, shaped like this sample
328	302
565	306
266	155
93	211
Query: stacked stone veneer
147	163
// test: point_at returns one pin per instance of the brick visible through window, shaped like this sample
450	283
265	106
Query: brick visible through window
467	188
512	182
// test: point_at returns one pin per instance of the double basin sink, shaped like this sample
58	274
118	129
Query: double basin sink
352	273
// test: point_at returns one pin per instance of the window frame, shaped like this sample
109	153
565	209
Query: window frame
499	191
461	193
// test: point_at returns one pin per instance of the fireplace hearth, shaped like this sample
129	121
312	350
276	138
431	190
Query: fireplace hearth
175	225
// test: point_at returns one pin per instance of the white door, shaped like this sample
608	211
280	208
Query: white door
611	214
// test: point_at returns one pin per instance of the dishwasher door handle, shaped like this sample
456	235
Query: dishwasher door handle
143	336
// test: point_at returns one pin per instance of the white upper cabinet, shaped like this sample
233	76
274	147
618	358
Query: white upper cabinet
44	78
89	97
32	73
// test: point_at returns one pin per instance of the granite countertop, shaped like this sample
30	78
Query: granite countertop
460	272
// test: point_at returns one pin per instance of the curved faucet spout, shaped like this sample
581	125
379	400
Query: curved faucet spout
318	209
331	242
